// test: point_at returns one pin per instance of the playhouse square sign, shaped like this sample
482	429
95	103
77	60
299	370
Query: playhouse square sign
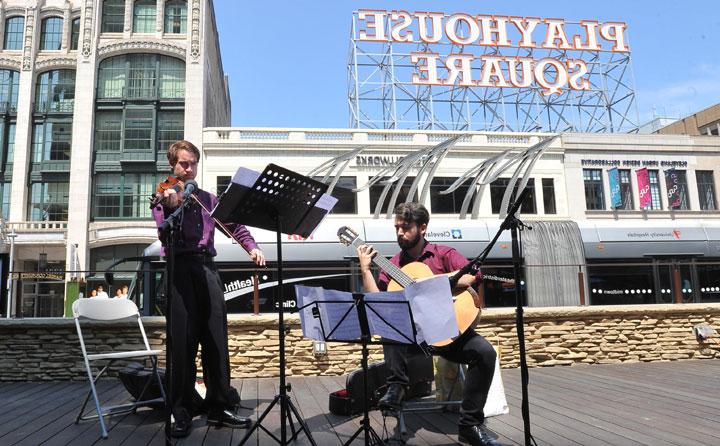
566	47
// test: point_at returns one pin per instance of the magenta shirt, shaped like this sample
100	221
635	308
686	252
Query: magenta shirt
439	258
198	228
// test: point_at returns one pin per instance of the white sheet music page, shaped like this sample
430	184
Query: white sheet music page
310	324
332	311
432	307
388	316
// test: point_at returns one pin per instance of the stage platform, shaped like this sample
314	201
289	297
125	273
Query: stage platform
659	403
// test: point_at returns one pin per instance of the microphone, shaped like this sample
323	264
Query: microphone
190	187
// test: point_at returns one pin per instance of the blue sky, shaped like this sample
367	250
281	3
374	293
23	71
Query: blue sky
287	58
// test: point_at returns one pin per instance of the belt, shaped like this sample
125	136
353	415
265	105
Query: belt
197	256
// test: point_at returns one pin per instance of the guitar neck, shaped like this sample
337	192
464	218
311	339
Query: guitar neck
386	265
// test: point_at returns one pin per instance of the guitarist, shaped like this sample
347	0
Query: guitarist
411	220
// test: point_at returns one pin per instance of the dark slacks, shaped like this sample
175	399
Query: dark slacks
199	317
471	349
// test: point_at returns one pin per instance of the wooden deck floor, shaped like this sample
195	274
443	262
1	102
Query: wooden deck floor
668	403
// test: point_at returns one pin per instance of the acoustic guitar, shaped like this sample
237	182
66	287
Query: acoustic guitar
466	313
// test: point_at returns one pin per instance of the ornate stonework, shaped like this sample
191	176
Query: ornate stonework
195	32
88	14
143	45
69	62
28	42
7	62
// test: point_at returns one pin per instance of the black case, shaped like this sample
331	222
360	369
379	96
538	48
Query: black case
134	376
349	401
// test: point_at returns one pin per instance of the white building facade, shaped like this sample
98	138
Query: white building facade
92	93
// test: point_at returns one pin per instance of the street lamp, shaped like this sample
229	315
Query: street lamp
11	280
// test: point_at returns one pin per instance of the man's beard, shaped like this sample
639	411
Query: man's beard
409	244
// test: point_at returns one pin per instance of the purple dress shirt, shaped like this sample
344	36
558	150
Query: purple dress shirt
439	258
198	228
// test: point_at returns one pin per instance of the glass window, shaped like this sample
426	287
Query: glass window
51	33
625	189
52	141
377	188
144	14
655	201
49	202
548	185
5	189
138	134
10	142
75	34
706	189
676	183
108	131
176	17
497	192
621	284
14	31
55	91
113	16
221	183
171	128
9	84
594	195
140	76
446	203
123	195
111	78
172	78
347	198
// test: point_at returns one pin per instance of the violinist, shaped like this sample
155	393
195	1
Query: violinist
198	310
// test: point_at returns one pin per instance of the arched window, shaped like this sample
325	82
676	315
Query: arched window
176	17
9	84
75	34
144	16
55	91
113	16
14	30
51	33
141	76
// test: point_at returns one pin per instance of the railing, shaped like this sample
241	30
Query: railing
64	106
36	226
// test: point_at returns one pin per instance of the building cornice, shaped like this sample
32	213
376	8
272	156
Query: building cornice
141	46
56	62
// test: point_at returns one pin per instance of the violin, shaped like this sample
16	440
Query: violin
168	183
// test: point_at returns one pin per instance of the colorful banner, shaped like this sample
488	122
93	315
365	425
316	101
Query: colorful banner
615	196
673	189
643	182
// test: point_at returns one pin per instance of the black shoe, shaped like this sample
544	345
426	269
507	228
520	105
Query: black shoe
393	398
181	428
228	418
476	436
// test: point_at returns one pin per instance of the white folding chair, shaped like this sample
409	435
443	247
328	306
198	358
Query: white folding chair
101	309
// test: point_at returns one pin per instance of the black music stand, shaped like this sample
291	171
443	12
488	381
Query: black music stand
359	323
283	201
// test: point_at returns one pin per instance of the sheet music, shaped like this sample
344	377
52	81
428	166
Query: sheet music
332	313
245	177
432	307
396	323
310	324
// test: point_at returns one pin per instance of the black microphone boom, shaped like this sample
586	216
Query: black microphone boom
190	187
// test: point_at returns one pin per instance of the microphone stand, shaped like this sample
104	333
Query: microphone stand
168	233
514	224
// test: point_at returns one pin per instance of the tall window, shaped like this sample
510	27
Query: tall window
625	189
7	144
14	30
343	191
141	76
144	16
706	189
655	201
594	196
5	188
75	34
9	84
548	186
136	120
377	188
55	91
51	33
113	16
176	17
448	203
676	183
497	192
48	201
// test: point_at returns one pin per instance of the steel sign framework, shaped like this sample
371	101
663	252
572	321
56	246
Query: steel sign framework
382	94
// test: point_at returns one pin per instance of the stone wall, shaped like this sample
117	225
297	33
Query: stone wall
48	349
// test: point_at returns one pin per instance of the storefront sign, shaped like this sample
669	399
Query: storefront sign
37	276
472	32
633	163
